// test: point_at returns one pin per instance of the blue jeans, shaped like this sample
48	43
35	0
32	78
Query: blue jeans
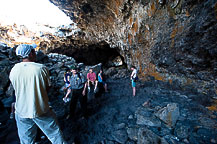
27	128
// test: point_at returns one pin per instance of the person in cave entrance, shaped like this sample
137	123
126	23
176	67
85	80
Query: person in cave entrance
91	79
78	88
67	85
134	78
31	81
101	80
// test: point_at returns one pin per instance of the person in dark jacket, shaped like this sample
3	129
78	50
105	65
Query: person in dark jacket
78	88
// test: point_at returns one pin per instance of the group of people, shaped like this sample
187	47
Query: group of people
71	81
31	82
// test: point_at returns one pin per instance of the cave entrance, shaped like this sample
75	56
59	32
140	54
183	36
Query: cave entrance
93	54
33	14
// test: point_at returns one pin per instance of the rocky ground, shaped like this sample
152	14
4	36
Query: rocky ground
170	116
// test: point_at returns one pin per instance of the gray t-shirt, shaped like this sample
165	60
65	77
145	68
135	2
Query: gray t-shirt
30	81
77	82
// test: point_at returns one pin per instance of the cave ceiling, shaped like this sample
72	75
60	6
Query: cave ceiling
167	39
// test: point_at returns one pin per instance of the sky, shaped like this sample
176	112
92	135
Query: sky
31	12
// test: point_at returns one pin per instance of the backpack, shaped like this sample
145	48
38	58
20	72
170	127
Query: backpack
79	76
79	80
136	79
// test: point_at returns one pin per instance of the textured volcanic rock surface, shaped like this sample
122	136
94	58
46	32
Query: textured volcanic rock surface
160	112
117	117
171	40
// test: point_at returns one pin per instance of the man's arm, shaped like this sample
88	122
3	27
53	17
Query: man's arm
85	84
84	90
131	75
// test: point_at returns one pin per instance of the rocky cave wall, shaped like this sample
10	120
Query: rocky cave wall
171	40
67	39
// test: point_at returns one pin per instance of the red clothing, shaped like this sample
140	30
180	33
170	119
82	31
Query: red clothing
91	76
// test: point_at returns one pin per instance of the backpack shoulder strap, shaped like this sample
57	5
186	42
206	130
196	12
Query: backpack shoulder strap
79	75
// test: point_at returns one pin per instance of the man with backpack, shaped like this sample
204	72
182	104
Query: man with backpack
78	89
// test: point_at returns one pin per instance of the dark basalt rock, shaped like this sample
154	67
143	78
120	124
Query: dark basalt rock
167	39
176	37
117	117
172	44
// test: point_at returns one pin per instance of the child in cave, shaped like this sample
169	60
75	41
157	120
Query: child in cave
67	85
134	78
101	80
91	79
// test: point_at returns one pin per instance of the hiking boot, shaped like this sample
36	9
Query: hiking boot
95	90
65	100
68	99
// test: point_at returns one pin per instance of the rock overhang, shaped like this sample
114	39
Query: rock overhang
168	40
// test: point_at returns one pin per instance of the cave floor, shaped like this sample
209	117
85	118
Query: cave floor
116	111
